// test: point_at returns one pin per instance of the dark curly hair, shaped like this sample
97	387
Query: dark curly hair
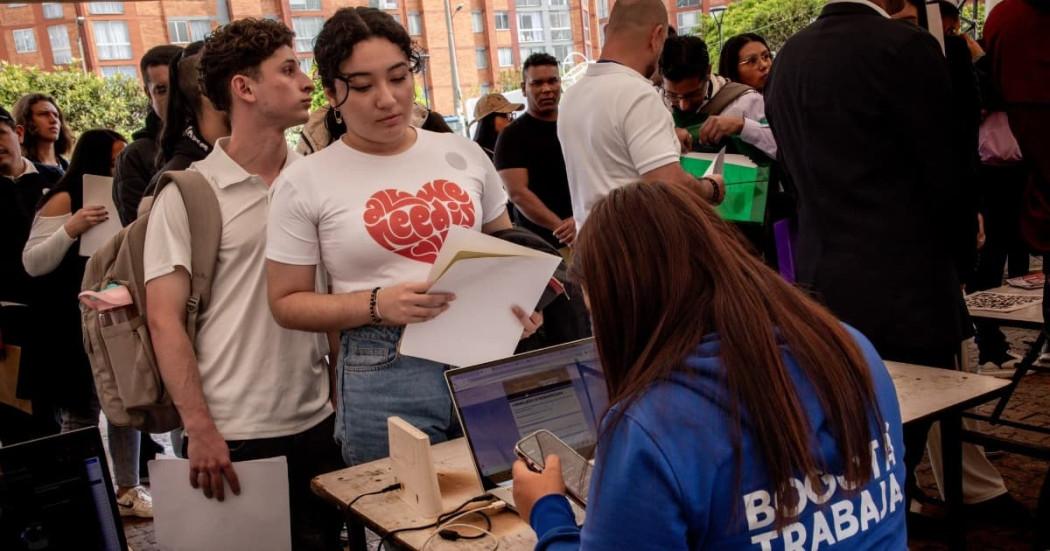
238	49
349	26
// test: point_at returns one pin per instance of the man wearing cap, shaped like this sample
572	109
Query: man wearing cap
529	157
493	113
21	188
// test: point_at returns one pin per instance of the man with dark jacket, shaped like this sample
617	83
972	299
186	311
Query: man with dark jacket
857	104
136	164
21	188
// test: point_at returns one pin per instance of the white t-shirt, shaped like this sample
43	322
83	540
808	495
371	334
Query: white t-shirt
376	221
613	127
259	379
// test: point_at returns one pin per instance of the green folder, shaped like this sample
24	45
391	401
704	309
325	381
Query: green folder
747	185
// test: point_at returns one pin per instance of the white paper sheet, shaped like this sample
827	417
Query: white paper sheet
258	519
479	325
718	166
98	190
933	22
460	239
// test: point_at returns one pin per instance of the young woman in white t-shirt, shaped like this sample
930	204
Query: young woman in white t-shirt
373	208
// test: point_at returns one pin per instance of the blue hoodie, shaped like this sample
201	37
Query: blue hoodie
664	478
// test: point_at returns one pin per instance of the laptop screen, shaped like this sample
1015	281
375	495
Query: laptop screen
560	389
56	493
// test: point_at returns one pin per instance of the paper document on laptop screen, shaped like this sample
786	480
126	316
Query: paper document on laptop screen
479	325
257	519
98	191
548	401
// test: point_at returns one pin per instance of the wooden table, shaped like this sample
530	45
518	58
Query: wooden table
925	393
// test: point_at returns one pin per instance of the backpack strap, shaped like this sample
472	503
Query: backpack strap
202	209
729	93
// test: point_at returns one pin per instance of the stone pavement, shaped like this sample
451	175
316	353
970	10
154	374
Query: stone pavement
1023	476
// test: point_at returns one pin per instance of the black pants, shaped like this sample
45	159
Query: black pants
1002	197
315	523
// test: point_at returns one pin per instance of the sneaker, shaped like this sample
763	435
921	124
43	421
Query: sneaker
136	502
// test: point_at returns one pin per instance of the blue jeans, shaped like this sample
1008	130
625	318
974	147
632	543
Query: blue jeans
376	382
124	442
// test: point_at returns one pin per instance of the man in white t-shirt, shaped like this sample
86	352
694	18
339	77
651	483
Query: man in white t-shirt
613	126
246	388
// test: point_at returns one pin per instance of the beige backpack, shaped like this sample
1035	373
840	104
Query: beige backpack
130	389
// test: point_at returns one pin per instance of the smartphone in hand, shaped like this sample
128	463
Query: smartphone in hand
534	448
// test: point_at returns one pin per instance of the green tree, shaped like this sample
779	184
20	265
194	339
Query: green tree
87	100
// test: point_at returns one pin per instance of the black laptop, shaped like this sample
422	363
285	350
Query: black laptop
56	494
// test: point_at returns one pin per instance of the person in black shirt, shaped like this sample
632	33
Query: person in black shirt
529	157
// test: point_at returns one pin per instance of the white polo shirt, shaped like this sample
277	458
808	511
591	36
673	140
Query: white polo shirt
259	379
613	127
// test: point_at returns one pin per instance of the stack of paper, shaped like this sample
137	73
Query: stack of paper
489	276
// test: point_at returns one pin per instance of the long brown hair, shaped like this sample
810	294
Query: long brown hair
661	271
24	116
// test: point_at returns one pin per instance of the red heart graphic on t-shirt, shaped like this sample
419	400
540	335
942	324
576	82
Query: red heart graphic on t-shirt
415	226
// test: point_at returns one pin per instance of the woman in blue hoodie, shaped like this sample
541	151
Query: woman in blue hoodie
743	415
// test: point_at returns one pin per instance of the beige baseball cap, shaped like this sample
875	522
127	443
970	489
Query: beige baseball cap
494	103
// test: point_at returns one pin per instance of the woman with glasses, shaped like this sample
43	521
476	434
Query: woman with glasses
746	59
373	209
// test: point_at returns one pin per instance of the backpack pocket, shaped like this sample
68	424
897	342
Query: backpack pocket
126	347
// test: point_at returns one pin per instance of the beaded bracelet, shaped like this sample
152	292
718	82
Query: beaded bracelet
373	310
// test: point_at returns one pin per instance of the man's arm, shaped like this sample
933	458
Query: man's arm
516	180
209	455
673	173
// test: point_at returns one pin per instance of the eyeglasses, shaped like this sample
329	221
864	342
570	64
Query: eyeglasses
698	94
754	59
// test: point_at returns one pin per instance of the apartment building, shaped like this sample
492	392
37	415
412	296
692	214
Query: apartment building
491	37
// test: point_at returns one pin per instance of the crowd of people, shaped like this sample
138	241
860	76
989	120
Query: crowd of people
736	397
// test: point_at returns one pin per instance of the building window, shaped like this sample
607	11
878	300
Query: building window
561	53
105	8
603	9
25	41
561	29
528	3
586	26
306	64
112	39
188	30
304	5
530	27
306	31
477	21
52	10
688	21
687	3
502	21
559	3
481	57
484	88
415	24
60	49
125	70
383	4
506	57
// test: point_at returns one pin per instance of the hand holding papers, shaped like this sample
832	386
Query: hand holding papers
98	190
489	277
257	519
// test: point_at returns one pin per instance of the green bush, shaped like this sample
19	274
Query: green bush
86	99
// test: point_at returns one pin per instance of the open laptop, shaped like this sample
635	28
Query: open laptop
560	389
56	494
